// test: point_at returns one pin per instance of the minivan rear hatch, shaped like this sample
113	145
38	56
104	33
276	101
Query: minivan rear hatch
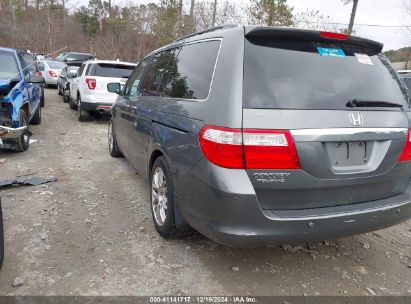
345	108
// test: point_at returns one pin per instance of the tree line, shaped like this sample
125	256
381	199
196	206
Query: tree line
129	32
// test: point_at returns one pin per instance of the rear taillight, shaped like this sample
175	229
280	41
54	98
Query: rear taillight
269	149
406	152
91	83
39	74
332	35
52	73
248	148
222	146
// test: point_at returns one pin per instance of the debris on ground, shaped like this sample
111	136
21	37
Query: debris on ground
33	181
370	291
2	160
18	282
291	248
236	269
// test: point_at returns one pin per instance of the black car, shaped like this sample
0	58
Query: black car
73	58
63	82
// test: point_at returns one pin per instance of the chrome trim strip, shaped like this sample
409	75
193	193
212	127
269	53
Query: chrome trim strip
7	132
340	214
346	131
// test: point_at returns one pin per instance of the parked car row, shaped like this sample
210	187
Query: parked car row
85	88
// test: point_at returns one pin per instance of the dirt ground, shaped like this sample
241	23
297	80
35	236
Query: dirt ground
91	233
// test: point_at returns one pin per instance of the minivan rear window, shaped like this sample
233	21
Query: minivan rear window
111	70
299	74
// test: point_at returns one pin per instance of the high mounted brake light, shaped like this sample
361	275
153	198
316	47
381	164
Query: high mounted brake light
332	35
249	148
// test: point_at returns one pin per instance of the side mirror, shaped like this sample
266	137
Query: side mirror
114	87
35	79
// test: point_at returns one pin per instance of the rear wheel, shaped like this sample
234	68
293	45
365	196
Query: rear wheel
36	120
1	237
112	141
23	141
162	201
82	114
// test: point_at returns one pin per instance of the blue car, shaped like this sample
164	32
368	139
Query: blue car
21	96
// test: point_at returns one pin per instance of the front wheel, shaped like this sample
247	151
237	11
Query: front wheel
162	201
42	103
112	141
23	141
36	120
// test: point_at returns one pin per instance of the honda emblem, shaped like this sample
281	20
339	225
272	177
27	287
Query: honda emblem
356	119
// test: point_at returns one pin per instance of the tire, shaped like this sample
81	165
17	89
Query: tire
65	97
112	141
82	115
36	120
42	103
72	105
23	141
161	195
1	237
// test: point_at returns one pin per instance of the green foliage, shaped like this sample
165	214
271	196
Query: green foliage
271	12
166	26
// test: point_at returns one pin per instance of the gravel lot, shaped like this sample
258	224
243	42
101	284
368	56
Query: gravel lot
91	233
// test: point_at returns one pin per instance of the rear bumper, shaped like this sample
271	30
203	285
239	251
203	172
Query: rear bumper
93	103
96	106
221	204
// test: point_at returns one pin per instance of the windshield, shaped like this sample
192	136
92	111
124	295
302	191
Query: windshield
8	66
111	70
56	64
297	74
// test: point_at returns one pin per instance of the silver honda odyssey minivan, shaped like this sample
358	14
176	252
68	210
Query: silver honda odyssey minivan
259	136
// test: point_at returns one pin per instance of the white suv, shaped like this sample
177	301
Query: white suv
88	91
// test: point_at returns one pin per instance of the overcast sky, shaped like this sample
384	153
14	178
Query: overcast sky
380	12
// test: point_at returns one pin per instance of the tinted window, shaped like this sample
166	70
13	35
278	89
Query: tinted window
151	85
190	73
132	84
56	64
296	74
8	66
110	70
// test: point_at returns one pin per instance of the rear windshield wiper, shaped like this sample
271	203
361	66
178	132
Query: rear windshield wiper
360	103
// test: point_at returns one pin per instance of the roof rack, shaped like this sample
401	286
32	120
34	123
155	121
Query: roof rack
217	28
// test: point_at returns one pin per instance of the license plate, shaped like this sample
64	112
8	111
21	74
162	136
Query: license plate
347	153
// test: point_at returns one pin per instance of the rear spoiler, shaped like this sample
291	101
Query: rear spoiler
300	34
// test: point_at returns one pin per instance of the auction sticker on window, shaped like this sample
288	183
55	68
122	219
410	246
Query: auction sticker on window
331	52
364	58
